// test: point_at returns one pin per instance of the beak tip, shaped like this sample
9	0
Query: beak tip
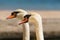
7	18
19	23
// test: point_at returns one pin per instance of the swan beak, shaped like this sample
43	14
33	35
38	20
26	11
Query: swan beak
10	17
25	20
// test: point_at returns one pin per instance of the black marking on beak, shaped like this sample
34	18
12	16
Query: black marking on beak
27	16
15	13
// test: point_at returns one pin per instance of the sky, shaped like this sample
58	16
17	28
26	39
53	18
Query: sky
30	4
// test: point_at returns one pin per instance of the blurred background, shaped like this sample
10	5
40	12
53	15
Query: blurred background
48	9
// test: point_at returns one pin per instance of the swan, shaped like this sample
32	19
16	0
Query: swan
27	18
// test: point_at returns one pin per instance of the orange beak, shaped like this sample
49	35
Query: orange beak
23	21
10	17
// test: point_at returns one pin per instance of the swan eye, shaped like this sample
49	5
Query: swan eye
15	13
27	16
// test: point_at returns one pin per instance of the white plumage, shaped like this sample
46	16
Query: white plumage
36	19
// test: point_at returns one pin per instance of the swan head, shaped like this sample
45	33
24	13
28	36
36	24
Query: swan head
20	14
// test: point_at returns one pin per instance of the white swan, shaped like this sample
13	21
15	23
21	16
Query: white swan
31	17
